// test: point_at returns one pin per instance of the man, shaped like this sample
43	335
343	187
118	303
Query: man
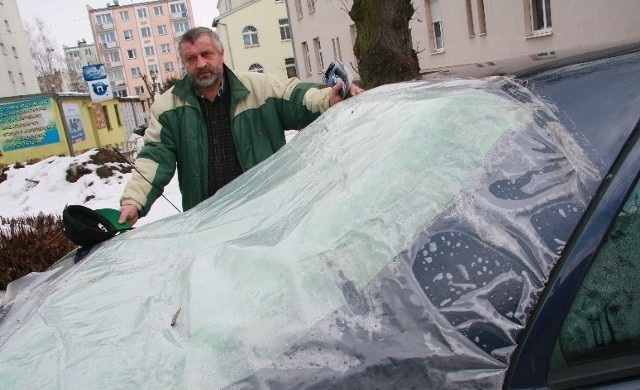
215	124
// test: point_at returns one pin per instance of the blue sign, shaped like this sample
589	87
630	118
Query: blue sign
94	72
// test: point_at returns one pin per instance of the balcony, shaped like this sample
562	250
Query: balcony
109	45
179	15
117	83
114	64
105	26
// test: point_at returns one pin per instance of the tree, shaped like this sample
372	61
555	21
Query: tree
48	62
383	47
168	83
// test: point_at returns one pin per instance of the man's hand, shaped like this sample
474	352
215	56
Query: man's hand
128	213
335	93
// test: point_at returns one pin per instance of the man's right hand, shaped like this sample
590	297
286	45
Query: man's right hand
128	213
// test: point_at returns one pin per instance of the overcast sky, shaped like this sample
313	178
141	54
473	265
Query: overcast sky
68	20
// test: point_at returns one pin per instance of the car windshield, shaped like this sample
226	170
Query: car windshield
349	258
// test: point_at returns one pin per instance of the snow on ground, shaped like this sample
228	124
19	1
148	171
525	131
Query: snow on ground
42	187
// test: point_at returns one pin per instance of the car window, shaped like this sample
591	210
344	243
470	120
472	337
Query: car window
603	323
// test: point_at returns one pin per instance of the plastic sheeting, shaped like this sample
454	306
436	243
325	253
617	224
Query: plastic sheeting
353	258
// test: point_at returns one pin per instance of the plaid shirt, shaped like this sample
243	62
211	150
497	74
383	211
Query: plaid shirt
224	165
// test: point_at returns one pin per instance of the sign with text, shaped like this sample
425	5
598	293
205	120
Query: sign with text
98	80
27	123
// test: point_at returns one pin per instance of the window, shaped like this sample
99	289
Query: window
149	51
124	16
602	326
105	113
3	49
256	68
337	52
153	69
6	25
108	40
21	77
145	32
104	19
158	10
131	53
437	42
307	58
128	35
142	13
298	8
165	48
113	57
162	30
11	77
285	29
117	76
178	8
15	53
168	66
470	30
318	51
118	120
540	16
250	36
311	5
180	27
139	90
135	72
87	52
482	23
290	65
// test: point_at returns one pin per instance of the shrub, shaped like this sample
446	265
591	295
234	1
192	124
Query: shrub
30	244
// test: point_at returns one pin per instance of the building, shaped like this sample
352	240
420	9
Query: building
44	125
471	37
321	31
76	57
17	73
256	36
138	43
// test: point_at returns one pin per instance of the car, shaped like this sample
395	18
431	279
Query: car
446	233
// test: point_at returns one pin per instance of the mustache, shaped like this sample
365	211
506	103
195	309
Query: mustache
207	69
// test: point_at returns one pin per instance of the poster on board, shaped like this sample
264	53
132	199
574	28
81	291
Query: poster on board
74	124
27	123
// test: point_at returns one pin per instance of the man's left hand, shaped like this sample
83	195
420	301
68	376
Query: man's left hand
335	93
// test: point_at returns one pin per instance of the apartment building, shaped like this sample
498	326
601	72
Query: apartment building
321	31
471	37
138	42
75	58
17	73
256	36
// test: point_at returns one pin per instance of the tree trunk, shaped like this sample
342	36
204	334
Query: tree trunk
383	47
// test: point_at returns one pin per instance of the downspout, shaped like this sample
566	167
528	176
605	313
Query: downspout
293	43
215	24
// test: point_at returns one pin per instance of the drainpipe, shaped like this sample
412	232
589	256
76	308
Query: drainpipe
215	24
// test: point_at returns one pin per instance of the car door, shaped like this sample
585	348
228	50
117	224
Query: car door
586	330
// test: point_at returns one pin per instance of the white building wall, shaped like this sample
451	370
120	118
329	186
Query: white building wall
504	43
17	73
271	52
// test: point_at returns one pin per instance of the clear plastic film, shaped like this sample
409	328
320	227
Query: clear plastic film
398	240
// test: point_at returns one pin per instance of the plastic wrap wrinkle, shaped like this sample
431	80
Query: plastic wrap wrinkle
299	266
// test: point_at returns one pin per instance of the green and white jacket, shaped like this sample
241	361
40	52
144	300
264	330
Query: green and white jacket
262	107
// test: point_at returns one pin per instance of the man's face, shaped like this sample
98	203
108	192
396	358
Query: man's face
202	61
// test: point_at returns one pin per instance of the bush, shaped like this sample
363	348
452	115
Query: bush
30	244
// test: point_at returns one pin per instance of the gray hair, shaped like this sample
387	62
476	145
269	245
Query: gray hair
191	35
